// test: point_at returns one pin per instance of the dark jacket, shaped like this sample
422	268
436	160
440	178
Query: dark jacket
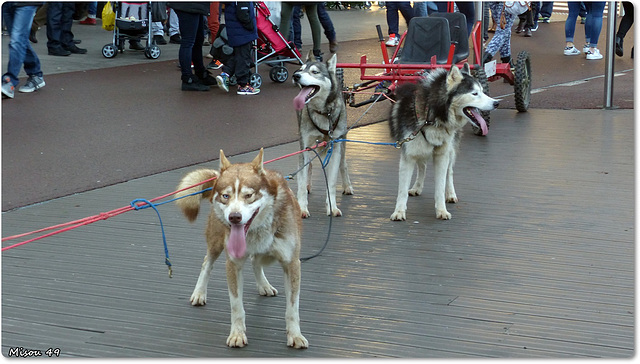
240	18
190	7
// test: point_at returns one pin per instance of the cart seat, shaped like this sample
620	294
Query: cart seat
426	37
458	34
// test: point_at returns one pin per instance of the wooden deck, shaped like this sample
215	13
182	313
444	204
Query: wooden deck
538	260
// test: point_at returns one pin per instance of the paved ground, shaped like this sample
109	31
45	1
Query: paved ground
537	262
95	113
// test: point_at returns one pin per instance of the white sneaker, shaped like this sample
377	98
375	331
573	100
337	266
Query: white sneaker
585	48
393	41
594	55
571	51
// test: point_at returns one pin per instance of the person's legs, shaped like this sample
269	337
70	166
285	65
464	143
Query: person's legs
243	63
316	28
296	26
570	23
469	10
325	21
285	19
18	21
393	18
196	50
627	19
594	21
188	23
54	27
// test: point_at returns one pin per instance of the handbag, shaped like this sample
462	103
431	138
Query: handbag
108	17
517	7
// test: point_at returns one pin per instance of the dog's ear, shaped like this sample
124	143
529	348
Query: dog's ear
331	63
466	69
224	162
310	57
453	77
258	163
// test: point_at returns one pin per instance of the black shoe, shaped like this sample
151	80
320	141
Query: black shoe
619	49
175	39
135	45
507	60
158	39
32	36
193	84
77	41
520	27
58	52
527	32
75	49
208	80
487	58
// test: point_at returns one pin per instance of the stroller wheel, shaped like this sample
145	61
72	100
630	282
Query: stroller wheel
279	74
152	52
109	50
255	80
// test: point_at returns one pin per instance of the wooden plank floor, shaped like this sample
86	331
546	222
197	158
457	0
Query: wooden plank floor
537	261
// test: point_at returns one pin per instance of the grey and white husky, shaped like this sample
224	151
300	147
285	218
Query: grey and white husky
429	115
322	116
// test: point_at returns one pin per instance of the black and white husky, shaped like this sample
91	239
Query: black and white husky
428	116
322	116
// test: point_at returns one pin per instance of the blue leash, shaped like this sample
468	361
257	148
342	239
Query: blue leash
164	239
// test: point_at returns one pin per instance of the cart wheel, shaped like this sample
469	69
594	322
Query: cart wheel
152	52
255	80
279	74
481	76
109	50
522	83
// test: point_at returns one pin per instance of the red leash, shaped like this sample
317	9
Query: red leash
106	215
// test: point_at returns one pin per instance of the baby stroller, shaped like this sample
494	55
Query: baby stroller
271	43
134	28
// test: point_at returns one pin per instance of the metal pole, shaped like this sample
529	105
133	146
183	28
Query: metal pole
609	56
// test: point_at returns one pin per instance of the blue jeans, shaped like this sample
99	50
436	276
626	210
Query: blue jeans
393	19
92	8
59	22
570	23
192	34
466	7
593	23
18	20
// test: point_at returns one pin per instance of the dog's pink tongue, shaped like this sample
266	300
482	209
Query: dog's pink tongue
480	119
237	244
300	100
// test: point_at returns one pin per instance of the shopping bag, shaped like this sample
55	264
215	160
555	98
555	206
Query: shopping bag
108	17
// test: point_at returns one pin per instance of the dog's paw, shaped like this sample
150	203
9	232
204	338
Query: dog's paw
452	198
267	290
335	212
198	298
443	215
297	342
415	192
237	339
399	216
305	213
348	191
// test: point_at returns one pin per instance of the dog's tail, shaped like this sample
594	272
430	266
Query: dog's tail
190	205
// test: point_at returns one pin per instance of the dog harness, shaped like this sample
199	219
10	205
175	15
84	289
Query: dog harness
332	126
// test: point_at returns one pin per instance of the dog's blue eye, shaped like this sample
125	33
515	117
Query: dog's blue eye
225	196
